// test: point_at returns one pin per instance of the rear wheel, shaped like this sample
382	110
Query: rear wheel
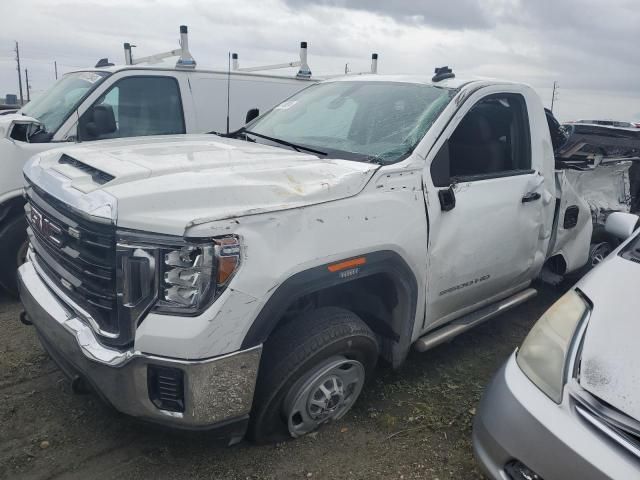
13	238
312	372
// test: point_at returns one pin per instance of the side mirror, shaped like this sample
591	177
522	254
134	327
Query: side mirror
103	121
251	114
621	225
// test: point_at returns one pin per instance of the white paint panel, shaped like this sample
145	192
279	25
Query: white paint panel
245	92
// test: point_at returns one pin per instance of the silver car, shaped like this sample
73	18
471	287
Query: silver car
566	405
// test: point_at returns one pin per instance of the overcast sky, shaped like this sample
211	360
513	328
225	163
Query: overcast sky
591	47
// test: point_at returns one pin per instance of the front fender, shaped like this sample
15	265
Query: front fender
324	276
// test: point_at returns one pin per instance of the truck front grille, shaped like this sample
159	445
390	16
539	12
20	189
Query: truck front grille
78	256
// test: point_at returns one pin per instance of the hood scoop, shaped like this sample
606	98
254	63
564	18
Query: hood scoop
98	176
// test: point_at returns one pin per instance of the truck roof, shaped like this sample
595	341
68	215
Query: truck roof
454	83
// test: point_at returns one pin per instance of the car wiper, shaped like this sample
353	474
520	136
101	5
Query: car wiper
296	147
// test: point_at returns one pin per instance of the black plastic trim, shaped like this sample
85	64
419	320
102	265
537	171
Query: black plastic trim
571	215
319	278
489	176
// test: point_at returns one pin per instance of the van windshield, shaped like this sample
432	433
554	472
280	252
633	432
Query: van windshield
54	106
373	121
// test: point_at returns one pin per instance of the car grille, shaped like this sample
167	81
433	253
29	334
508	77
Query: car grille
78	256
616	425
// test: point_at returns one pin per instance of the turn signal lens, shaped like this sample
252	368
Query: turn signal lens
228	255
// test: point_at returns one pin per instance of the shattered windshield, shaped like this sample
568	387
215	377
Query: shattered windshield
54	106
368	121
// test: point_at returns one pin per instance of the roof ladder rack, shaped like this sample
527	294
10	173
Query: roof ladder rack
303	72
185	60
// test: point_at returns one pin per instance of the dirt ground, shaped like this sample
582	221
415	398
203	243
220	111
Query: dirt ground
410	423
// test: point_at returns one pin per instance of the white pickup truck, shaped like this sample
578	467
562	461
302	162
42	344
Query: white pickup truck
253	282
147	96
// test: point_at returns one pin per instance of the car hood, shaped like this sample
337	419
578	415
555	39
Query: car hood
610	364
170	183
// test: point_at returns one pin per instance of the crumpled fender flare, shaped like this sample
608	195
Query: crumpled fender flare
320	277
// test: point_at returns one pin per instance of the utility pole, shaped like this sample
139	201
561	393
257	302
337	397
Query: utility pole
19	73
26	77
554	94
55	67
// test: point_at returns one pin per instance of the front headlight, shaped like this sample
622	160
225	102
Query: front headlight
543	355
171	275
193	275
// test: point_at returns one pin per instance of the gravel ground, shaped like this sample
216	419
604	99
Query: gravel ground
411	423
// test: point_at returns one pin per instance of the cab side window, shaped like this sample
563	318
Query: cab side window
492	140
133	107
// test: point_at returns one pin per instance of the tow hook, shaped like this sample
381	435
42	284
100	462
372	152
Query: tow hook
24	318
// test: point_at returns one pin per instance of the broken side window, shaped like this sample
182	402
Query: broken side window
492	140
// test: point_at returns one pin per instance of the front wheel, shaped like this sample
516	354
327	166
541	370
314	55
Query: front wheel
312	372
13	238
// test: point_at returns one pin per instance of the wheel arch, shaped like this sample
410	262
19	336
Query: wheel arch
384	279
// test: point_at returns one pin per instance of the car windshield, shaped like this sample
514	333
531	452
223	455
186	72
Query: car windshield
373	121
54	106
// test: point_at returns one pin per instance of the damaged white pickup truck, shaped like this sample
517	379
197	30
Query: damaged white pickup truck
253	282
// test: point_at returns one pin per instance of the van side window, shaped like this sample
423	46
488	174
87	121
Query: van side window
492	140
133	107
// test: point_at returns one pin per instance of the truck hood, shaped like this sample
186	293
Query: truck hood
610	364
170	183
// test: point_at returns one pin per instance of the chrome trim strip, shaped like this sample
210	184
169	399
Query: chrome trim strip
607	430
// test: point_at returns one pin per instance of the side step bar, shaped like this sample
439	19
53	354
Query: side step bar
462	324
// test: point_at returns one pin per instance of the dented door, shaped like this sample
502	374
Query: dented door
490	223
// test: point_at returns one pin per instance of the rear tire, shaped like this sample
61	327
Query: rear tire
13	250
312	371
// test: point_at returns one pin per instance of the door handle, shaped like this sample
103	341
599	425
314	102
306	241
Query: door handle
530	197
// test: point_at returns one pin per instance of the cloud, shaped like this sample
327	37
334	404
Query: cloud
458	14
589	46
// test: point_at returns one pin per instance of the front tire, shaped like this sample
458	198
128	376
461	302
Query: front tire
311	373
13	238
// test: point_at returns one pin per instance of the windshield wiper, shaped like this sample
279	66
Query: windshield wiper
296	147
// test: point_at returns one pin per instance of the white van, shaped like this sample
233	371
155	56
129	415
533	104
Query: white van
144	97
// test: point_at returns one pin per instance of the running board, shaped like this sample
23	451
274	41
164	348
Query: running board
471	320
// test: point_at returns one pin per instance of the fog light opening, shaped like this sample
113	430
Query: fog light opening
166	388
516	470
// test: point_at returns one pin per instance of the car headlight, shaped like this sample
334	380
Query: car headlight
193	275
174	276
543	354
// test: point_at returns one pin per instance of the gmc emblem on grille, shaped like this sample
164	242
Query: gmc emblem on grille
46	227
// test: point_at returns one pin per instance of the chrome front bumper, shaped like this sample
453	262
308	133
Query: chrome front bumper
217	391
